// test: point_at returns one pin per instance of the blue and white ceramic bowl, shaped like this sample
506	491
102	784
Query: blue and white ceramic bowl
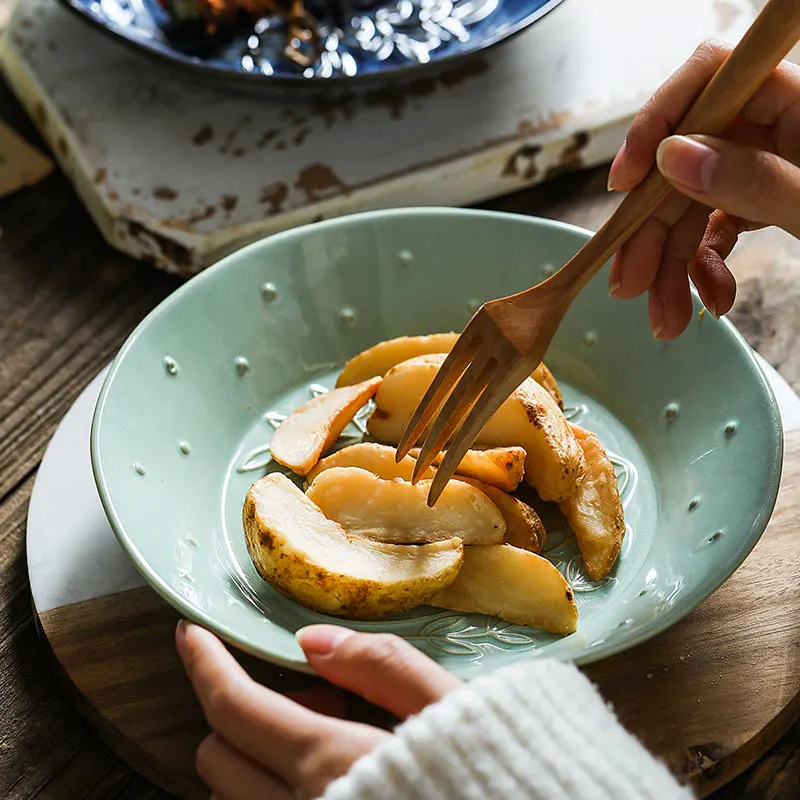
382	40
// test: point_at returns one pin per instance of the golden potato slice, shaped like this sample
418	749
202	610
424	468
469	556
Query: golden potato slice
379	459
594	512
546	380
513	584
397	511
378	360
524	527
529	418
502	467
311	560
312	429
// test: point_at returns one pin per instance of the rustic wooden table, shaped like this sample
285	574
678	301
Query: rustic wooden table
67	302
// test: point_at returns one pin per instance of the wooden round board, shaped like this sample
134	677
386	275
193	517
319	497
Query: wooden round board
710	696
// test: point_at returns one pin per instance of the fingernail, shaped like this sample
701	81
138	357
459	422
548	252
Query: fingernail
180	635
688	161
614	288
322	640
615	164
656	306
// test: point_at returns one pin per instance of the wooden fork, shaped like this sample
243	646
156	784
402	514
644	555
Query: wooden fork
507	338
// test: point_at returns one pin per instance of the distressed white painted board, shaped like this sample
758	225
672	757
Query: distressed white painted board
179	173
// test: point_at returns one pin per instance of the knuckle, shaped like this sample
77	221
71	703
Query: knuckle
221	704
382	650
205	756
710	50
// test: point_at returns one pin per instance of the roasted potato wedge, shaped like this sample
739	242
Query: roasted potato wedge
378	360
513	584
524	527
546	380
311	560
529	418
378	459
502	467
397	511
594	512
312	429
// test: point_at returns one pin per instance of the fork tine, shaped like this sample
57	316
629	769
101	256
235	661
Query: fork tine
461	399
451	370
491	399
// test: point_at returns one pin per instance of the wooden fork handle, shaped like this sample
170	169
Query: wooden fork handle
769	39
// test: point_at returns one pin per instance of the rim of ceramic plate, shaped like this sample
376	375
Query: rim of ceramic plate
675	612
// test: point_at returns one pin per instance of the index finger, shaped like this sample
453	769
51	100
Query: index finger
265	725
777	102
661	114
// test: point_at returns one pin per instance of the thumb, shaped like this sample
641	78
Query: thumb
383	669
743	181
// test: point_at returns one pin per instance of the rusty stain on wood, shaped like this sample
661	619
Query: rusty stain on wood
173	252
572	156
397	100
522	163
230	137
201	216
319	182
165	193
99	177
266	138
229	203
301	136
329	110
203	136
274	196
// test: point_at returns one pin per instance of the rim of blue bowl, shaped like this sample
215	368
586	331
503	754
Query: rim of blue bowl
673	614
199	66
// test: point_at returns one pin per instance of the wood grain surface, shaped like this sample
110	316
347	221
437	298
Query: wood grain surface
709	696
67	302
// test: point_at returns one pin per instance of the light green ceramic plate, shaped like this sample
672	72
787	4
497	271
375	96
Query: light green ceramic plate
183	420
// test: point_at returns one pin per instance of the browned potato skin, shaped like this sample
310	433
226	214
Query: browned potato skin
529	418
503	467
524	527
330	592
377	360
554	478
545	379
595	512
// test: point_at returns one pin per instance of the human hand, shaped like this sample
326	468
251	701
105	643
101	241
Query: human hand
747	179
278	747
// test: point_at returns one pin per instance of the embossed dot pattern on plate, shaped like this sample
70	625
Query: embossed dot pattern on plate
269	292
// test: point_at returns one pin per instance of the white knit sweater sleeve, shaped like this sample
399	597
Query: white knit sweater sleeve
533	731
